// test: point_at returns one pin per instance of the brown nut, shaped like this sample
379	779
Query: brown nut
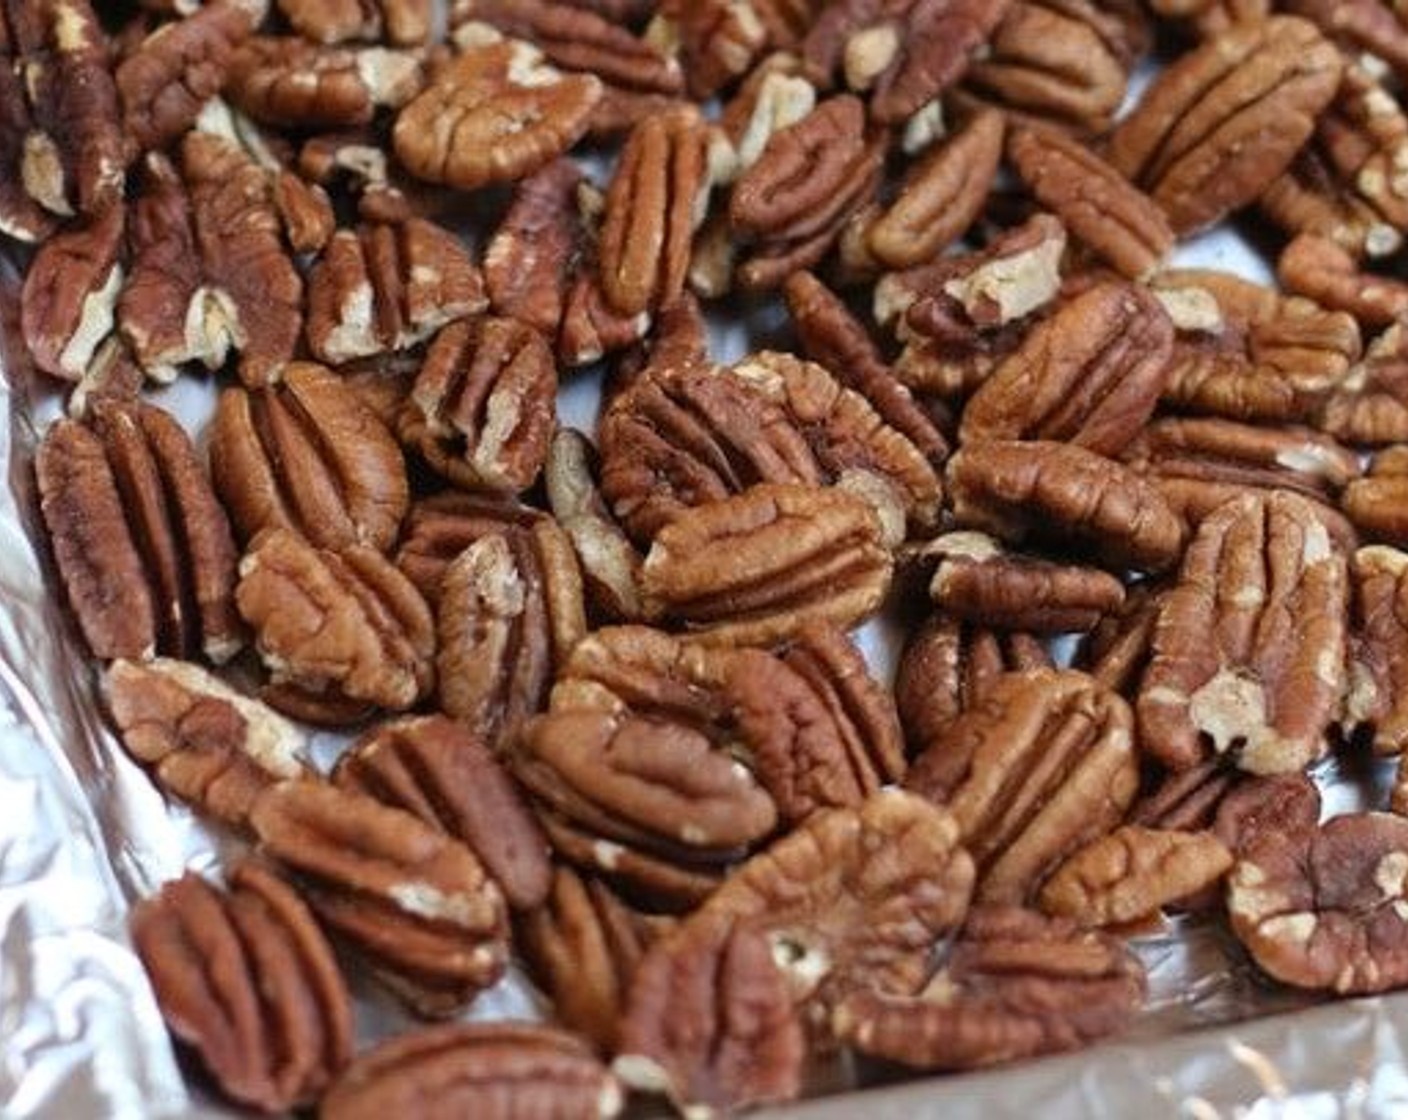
1133	873
710	1022
345	625
1317	268
1040	491
1089	375
1016	985
716	40
205	743
288	81
1379	649
481	409
414	901
495	114
444	774
1219	125
1375	503
305	454
489	1070
388	287
143	547
1249	648
1323	909
442	526
246	978
70	294
403	22
528	260
509	614
1370	407
795	553
1209	17
1021	818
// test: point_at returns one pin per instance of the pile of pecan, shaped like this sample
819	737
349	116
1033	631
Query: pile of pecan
605	714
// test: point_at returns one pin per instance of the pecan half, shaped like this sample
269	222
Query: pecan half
1220	124
143	547
1040	765
442	526
403	22
206	743
70	294
246	978
1117	650
773	97
716	40
345	625
1375	503
1319	269
304	453
1379	648
286	80
528	260
1249	648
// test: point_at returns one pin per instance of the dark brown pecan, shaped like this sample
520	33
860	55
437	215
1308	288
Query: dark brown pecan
345	624
1377	698
510	613
978	581
716	40
1319	269
1041	491
166	80
497	1071
591	328
288	81
795	554
413	900
1021	817
1249	648
1283	805
1221	124
584	946
609	562
70	294
1376	504
1106	213
305	211
444	774
481	409
246	978
532	252
903	54
388	287
440	527
653	206
1016	984
1132	874
942	197
304	453
403	22
1324	908
710	1022
495	114
143	547
1090	375
205	743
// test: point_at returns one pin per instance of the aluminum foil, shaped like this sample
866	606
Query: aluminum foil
83	834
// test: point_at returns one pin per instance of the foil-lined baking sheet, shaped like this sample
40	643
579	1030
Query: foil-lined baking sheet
83	834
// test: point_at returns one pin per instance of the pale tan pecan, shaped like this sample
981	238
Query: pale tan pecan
1105	212
495	114
388	287
245	977
1132	874
1319	269
403	22
902	53
304	453
947	666
412	900
710	1022
481	409
1378	667
716	40
528	260
144	549
1040	765
344	624
1324	908
1089	375
591	327
509	614
1224	121
942	197
206	743
656	200
1041	491
286	80
794	554
167	78
979	581
21	216
442	526
488	1070
70	294
584	946
444	774
1249	650
1376	503
1015	985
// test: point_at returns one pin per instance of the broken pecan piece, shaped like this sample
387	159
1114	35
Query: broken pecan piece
403	22
528	260
288	81
716	40
1376	696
